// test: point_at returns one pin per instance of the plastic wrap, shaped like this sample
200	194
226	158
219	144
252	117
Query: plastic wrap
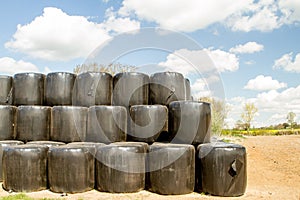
28	89
189	122
188	95
70	169
4	144
68	124
166	87
46	143
33	123
7	122
59	88
172	168
222	169
5	90
120	167
130	88
92	88
106	124
148	121
25	168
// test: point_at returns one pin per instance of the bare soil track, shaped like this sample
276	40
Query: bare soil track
273	173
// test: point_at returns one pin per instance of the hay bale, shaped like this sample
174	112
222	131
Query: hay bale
7	122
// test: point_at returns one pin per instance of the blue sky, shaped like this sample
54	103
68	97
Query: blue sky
254	45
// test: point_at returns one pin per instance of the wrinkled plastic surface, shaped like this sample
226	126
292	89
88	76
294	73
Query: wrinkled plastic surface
4	144
5	90
120	167
25	168
7	122
188	95
68	124
46	143
70	169
148	121
28	89
106	124
189	122
130	88
91	146
92	88
33	123
222	169
166	87
59	88
178	177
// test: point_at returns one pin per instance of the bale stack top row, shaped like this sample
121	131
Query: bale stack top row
93	88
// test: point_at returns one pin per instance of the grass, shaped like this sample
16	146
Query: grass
22	197
258	132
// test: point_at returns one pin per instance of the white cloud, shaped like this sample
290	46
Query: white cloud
190	61
10	66
183	15
261	83
192	15
272	105
291	9
287	63
249	47
57	36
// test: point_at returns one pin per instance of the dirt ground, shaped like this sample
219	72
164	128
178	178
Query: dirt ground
273	173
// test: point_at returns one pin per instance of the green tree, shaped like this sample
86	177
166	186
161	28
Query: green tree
219	112
111	68
291	118
249	112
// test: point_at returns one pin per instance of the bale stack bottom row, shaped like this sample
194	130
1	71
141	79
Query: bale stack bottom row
122	167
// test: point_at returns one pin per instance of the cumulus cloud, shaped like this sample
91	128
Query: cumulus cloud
182	15
272	105
249	47
11	66
57	36
192	15
189	61
287	63
261	83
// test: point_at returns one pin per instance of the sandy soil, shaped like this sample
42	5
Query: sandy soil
273	173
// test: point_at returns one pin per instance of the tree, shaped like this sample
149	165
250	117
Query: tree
219	112
291	118
112	68
249	112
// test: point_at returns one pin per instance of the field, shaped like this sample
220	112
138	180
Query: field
273	173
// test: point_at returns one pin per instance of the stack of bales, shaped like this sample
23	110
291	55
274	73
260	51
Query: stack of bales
121	133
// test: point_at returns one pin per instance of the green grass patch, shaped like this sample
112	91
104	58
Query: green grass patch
17	197
260	132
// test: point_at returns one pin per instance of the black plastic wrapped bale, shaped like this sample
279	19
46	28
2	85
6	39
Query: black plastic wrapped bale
147	122
130	88
188	95
5	90
4	144
166	87
25	168
120	167
189	122
92	88
71	169
106	124
59	88
222	170
28	89
171	168
7	122
68	124
91	146
46	143
33	123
